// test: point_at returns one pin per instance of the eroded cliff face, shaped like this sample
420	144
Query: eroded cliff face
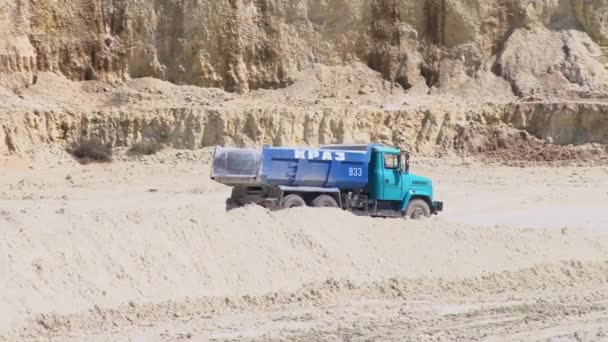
487	55
517	131
239	45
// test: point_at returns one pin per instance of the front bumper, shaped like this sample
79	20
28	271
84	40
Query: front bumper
437	207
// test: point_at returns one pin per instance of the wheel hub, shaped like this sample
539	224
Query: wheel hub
417	213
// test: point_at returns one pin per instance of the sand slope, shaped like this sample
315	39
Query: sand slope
146	240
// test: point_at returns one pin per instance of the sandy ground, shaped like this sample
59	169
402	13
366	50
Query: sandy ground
142	250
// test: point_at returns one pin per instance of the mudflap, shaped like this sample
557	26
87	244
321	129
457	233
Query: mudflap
232	204
270	203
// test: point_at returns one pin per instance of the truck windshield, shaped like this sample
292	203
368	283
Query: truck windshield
391	161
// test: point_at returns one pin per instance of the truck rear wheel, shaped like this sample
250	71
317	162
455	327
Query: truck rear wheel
418	209
324	201
232	204
292	201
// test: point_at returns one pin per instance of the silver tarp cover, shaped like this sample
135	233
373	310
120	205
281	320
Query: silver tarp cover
235	165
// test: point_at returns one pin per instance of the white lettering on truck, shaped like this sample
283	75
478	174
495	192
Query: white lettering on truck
300	154
316	154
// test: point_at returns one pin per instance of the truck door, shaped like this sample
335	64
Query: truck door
393	190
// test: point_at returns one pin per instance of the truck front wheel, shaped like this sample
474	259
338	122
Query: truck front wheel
418	209
292	201
324	201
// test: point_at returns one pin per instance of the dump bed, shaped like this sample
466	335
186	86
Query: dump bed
329	168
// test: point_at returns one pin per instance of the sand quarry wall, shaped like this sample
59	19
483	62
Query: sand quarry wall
428	131
552	50
239	45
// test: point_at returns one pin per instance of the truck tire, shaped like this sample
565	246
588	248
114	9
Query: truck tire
292	201
324	201
232	204
418	209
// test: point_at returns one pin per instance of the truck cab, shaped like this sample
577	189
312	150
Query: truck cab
391	182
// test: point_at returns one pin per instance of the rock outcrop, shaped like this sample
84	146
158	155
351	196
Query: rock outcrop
435	131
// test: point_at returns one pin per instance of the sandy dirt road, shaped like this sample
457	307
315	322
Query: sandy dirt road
143	251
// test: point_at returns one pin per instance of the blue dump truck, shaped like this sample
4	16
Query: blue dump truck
370	179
